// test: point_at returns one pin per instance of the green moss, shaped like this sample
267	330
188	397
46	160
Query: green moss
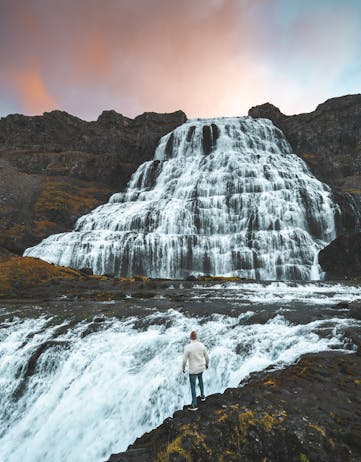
351	190
220	278
304	458
270	383
174	446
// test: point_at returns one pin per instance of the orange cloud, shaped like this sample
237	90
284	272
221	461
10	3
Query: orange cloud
34	94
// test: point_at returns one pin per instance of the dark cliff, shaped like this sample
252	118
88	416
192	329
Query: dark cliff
56	167
342	257
329	140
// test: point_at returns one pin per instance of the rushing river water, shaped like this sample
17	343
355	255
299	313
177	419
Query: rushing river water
78	382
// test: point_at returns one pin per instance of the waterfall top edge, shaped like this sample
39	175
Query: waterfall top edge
225	119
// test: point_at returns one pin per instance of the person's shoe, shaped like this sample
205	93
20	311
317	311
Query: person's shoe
192	408
203	398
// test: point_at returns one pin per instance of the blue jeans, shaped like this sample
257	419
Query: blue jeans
192	379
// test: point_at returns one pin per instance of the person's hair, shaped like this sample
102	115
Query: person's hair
193	335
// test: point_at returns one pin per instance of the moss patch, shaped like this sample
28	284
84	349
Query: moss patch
173	448
57	198
25	272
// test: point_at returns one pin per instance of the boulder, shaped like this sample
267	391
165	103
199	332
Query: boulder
342	257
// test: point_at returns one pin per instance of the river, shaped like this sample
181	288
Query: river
81	380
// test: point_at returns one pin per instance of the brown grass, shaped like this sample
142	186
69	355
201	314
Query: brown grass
25	272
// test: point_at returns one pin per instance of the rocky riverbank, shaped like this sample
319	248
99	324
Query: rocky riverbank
310	411
31	278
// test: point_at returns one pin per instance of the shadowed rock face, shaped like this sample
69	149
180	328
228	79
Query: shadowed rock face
329	140
129	140
56	167
342	257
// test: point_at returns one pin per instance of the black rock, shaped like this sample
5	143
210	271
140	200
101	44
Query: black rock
342	257
309	411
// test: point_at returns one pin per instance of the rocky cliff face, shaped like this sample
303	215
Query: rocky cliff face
329	140
342	258
56	167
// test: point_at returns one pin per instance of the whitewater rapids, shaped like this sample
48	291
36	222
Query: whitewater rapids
77	389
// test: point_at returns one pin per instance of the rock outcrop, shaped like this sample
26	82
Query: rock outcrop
18	274
329	140
57	167
342	257
307	412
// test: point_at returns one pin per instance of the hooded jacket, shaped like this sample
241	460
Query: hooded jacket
196	354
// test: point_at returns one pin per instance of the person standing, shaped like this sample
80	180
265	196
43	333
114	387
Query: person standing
196	355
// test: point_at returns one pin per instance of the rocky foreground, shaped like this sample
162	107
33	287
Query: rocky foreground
310	411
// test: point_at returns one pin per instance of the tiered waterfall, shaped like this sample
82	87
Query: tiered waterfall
222	196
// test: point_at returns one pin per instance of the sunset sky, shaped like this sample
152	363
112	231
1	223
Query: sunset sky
206	57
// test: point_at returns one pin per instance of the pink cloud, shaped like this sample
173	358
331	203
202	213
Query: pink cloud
210	57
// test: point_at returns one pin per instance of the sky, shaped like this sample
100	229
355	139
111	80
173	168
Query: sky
206	57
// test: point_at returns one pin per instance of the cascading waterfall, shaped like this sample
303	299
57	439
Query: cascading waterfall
222	196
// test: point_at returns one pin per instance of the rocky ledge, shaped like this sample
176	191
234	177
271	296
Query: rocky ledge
310	411
32	278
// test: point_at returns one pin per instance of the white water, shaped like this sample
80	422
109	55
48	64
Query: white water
222	196
90	396
282	293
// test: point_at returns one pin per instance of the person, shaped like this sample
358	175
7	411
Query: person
196	355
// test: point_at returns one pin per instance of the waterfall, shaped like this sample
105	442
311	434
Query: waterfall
223	196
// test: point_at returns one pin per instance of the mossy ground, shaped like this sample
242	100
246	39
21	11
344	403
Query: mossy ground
59	197
25	272
307	412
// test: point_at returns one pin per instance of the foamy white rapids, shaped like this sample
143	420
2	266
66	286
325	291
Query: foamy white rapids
222	196
282	293
75	398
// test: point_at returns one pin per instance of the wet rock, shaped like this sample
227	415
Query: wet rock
342	257
355	309
342	305
86	271
135	455
277	415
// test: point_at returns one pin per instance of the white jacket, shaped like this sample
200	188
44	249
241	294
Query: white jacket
195	352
